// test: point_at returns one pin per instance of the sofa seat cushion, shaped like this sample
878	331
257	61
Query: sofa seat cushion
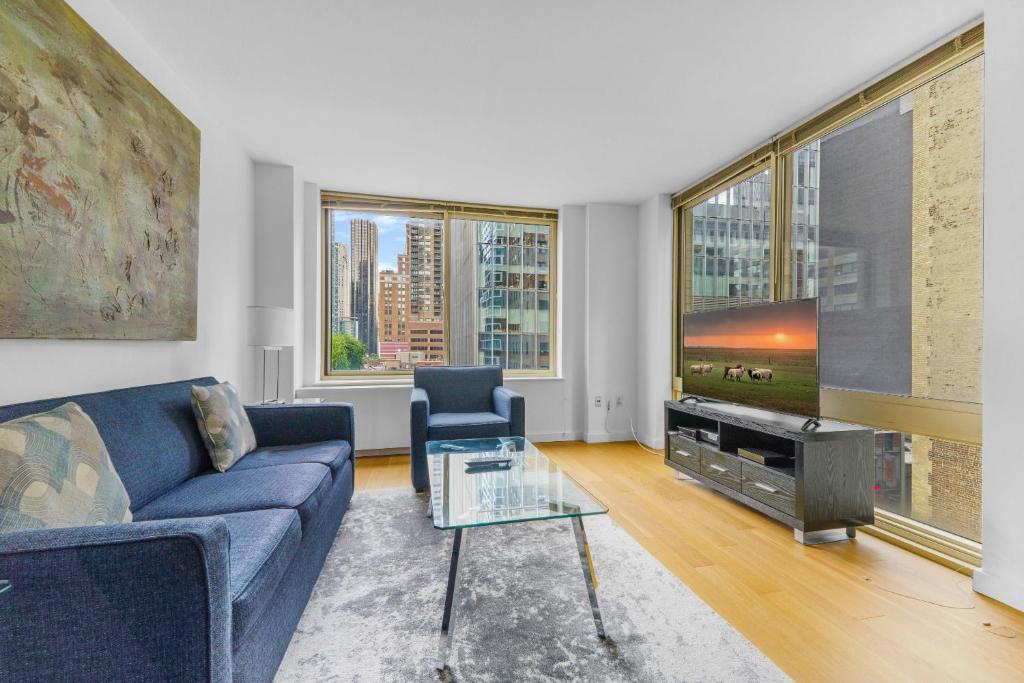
333	454
466	426
263	544
302	487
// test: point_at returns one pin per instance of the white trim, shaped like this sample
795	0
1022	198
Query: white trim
545	438
1005	589
608	437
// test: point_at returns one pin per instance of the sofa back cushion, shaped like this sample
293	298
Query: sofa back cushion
56	472
150	433
459	389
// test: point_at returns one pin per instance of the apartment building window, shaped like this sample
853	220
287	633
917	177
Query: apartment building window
410	282
729	244
508	310
875	209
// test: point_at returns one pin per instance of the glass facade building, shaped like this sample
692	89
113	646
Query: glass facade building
732	245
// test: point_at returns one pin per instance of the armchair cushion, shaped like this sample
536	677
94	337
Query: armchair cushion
301	487
466	426
263	544
333	454
458	389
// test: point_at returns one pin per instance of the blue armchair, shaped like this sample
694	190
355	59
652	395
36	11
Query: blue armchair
456	402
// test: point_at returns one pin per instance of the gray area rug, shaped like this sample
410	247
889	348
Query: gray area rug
524	616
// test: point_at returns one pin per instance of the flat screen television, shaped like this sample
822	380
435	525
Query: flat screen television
763	355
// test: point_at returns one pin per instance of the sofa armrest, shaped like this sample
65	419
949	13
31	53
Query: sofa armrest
137	601
287	424
419	412
511	406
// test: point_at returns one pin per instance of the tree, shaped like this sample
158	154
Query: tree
347	352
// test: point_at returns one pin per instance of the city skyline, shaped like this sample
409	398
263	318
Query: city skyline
390	234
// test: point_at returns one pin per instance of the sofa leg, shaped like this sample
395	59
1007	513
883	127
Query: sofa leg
420	489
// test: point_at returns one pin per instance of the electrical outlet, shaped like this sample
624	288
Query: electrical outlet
597	401
618	401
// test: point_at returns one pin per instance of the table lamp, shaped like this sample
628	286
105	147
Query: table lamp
271	328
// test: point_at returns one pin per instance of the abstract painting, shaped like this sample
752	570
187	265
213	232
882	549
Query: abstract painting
99	188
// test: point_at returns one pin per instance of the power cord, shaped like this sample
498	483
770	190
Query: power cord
632	429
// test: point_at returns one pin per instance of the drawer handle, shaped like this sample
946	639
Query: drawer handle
765	487
718	468
686	454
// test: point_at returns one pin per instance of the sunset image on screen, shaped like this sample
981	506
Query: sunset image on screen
763	355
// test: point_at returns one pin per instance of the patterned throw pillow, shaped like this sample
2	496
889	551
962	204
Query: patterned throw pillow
55	472
223	423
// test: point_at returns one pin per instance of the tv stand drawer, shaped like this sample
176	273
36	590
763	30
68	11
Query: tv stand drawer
722	467
771	488
685	452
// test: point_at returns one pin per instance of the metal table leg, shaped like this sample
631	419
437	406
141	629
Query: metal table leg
459	545
588	571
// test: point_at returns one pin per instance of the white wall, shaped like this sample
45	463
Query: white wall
611	320
654	318
1002	576
42	368
553	405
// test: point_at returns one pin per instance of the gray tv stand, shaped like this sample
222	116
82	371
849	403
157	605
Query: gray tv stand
824	496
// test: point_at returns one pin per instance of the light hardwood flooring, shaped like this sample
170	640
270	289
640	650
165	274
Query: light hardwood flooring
863	610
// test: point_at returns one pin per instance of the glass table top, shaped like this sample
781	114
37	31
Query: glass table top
466	490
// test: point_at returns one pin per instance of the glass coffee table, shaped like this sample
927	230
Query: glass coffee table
483	482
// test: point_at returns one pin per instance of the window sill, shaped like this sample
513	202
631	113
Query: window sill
398	383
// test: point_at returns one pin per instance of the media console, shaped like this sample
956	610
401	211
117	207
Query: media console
824	496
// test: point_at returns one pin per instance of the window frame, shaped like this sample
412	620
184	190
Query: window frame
446	211
937	418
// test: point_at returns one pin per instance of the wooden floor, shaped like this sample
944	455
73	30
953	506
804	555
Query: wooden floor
850	611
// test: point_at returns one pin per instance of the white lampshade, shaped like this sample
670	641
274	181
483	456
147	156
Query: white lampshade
271	326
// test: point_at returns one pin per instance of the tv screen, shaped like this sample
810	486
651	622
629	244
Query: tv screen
764	356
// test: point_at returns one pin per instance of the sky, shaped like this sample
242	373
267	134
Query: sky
790	325
390	235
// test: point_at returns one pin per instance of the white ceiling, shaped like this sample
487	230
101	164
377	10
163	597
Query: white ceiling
532	102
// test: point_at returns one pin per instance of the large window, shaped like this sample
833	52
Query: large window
730	244
876	209
410	283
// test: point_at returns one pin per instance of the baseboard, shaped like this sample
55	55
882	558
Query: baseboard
1007	591
608	437
374	452
655	441
556	436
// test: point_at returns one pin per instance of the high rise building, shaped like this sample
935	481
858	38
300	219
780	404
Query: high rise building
425	248
501	296
392	304
424	240
364	280
341	287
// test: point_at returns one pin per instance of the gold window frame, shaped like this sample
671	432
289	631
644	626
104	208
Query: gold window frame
941	419
446	211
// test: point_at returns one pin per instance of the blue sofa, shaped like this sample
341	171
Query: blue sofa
460	402
210	578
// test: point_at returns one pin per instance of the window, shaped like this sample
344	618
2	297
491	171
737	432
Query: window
730	249
409	282
875	207
508	316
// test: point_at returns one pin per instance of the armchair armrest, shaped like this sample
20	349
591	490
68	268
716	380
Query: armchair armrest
511	406
136	601
284	424
419	411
